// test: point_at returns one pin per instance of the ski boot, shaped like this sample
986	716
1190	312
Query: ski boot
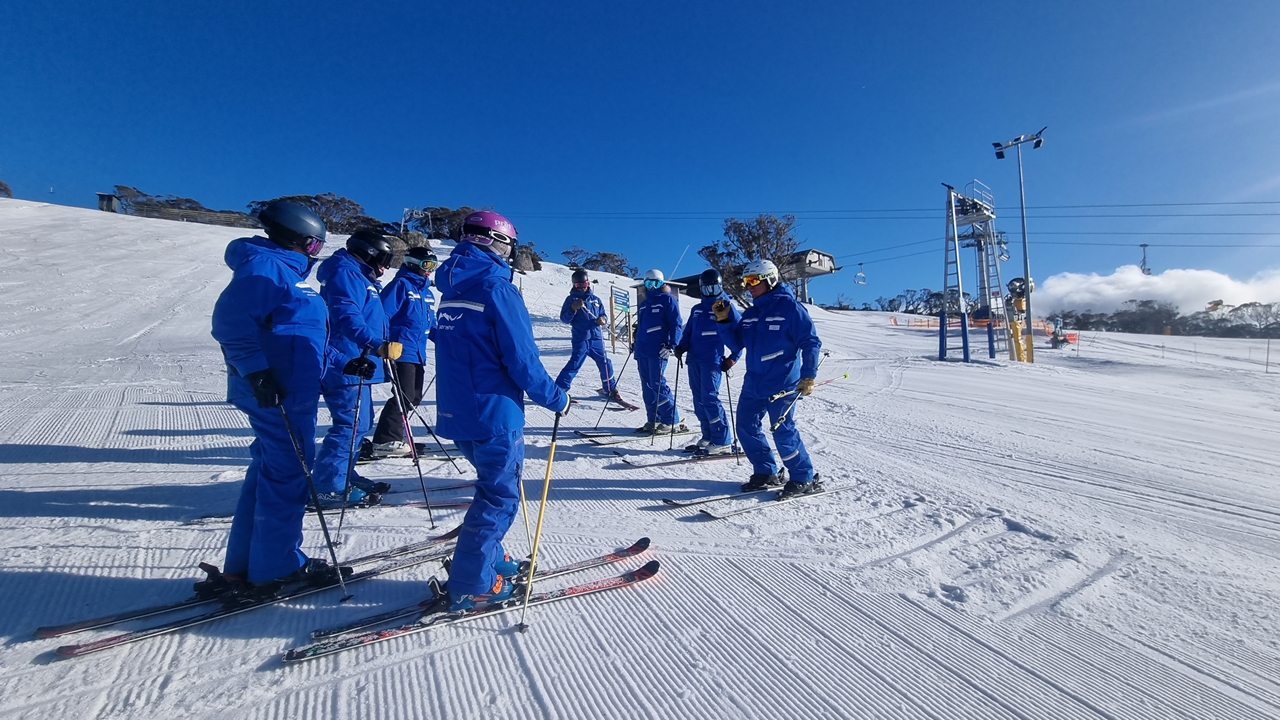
694	449
665	429
713	449
371	487
216	583
352	498
502	590
392	449
796	489
647	428
761	481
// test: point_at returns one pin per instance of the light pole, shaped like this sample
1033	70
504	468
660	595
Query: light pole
1036	141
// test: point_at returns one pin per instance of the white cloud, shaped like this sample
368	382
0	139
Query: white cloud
1190	290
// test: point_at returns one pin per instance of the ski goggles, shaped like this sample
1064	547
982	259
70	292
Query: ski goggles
752	280
490	237
424	265
710	290
653	284
312	245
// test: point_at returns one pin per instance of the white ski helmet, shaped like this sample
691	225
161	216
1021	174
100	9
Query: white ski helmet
653	279
765	269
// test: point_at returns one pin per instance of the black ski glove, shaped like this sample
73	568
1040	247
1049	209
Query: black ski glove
265	388
678	352
361	367
726	363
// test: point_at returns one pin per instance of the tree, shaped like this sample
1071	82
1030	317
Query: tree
767	237
4	190
601	261
173	207
341	215
1259	315
438	221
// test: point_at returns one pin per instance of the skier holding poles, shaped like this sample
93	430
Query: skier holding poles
410	309
487	362
585	313
707	362
782	349
358	328
273	329
657	332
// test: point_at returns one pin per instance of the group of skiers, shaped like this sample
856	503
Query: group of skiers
286	346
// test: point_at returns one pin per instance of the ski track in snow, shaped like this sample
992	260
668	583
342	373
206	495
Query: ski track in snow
1092	536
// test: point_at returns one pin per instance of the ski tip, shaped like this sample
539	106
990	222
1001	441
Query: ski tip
44	633
669	501
647	571
641	544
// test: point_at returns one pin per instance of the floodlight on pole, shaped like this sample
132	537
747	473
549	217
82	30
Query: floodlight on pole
1036	141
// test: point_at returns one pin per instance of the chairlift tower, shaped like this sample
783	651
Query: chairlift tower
961	212
990	248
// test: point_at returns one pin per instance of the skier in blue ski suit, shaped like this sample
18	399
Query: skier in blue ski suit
585	313
410	308
782	349
486	362
704	349
349	285
273	329
658	328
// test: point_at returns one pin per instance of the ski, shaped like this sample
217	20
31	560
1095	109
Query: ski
216	519
617	400
613	406
50	631
334	645
80	649
617	438
541	574
713	498
770	503
681	461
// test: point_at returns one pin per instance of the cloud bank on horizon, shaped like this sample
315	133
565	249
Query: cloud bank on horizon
1189	290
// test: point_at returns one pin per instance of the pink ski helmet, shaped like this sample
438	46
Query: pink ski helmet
484	226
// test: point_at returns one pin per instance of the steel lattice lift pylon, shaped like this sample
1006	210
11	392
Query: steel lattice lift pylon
991	248
961	211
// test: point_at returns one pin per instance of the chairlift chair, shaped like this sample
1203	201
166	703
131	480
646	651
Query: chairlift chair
861	277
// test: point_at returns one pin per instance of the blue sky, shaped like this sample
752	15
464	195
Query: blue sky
638	127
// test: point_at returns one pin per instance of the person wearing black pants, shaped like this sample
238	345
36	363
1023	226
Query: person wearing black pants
410	307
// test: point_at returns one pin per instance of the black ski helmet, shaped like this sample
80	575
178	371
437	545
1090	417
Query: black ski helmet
290	224
421	257
579	276
710	282
371	248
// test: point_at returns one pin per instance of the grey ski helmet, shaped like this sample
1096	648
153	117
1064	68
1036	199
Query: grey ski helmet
291	225
579	276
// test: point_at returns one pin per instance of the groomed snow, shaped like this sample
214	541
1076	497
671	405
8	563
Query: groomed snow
1091	536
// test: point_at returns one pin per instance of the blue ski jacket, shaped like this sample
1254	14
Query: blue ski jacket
701	339
356	317
486	359
269	317
410	308
658	323
781	343
583	321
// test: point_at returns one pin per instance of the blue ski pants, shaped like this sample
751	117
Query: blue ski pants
704	385
497	461
659	404
334	458
588	348
266	531
751	413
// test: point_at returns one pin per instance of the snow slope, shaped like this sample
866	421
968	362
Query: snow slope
1091	536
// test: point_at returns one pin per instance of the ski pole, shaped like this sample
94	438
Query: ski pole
784	393
537	533
351	459
402	401
615	388
783	417
315	500
675	411
737	455
439	444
